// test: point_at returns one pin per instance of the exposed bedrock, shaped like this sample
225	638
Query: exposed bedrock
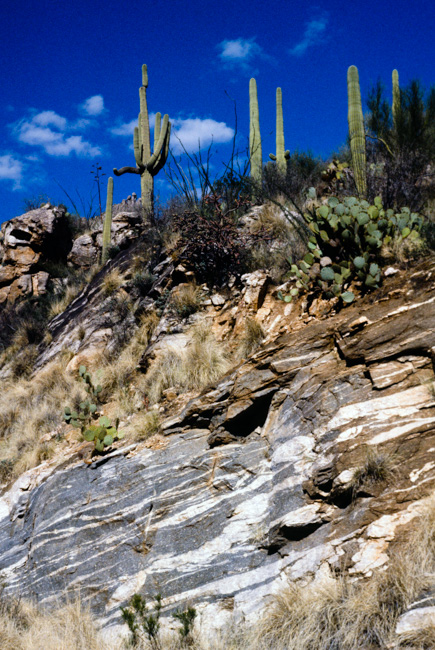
253	483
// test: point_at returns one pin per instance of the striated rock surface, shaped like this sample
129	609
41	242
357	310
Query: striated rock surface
253	482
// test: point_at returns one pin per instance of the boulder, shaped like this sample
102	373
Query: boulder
26	243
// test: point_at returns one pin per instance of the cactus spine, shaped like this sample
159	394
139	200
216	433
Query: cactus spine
148	164
107	229
396	98
356	130
254	135
281	156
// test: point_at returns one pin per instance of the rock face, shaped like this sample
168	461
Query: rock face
253	482
27	242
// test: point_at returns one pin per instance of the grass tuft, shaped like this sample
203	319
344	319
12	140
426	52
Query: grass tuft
201	363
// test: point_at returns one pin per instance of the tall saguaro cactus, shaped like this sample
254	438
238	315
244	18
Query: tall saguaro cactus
254	135
148	164
356	130
107	228
281	156
396	97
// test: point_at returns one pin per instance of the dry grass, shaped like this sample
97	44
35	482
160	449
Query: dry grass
186	300
201	363
112	281
251	340
355	616
272	220
378	467
59	305
119	375
144	425
25	627
28	410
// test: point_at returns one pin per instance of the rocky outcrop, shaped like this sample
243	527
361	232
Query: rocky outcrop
86	249
253	482
26	244
31	243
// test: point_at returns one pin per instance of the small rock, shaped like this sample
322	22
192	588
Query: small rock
218	300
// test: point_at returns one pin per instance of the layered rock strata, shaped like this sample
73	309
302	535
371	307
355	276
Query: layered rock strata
253	483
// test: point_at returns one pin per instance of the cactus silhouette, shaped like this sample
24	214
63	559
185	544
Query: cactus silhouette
356	130
281	156
148	164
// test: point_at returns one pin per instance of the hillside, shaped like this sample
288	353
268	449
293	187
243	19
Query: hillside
267	457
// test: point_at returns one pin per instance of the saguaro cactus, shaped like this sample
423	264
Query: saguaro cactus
254	134
281	156
356	130
107	229
396	97
148	164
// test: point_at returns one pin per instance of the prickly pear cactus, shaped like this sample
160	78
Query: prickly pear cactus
345	246
103	434
87	409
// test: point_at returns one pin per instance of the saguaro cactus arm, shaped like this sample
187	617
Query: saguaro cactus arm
356	130
281	156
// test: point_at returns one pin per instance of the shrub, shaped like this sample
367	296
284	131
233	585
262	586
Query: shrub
143	281
402	151
143	623
303	171
212	244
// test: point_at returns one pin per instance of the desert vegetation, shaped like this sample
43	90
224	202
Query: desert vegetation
319	230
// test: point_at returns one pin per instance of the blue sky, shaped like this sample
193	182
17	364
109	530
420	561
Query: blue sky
70	73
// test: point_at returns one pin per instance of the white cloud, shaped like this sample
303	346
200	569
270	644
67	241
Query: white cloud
93	105
50	118
192	133
240	53
239	50
127	128
11	169
49	131
313	35
189	133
